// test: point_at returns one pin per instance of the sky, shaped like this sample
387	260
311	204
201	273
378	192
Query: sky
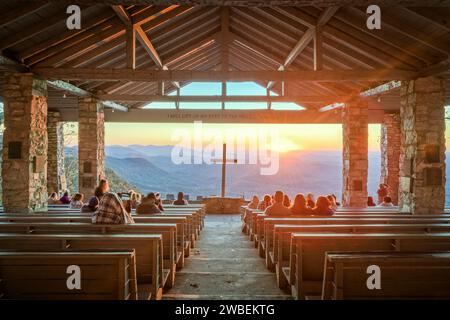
290	137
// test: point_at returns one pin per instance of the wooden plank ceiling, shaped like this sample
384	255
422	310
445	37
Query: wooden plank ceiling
237	38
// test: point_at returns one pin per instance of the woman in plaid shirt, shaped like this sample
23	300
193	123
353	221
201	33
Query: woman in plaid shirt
111	211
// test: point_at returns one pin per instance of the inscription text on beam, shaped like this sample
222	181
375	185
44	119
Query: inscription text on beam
224	161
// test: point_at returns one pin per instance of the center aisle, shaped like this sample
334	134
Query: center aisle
224	265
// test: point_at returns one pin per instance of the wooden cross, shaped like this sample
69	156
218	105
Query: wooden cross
224	161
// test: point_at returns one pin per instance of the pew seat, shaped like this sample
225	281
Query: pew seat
403	275
148	250
105	274
167	231
307	254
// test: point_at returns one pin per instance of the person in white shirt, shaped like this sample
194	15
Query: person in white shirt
278	208
387	202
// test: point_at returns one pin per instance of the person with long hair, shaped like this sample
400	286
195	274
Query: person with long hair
310	200
111	211
278	208
102	188
299	206
333	203
254	203
53	199
266	202
286	201
322	207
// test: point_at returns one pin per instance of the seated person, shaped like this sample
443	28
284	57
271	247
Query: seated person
65	199
299	207
387	202
102	188
322	207
254	203
278	208
267	202
310	200
77	201
91	206
333	203
111	211
370	202
135	200
148	205
158	202
180	200
286	201
54	199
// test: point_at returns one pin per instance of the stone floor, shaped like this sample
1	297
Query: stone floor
224	265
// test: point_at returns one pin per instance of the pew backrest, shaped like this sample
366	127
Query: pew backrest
308	252
403	275
106	275
148	249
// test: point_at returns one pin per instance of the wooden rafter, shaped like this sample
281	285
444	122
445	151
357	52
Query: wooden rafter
305	40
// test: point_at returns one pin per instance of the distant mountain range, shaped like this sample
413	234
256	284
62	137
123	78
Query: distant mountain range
150	168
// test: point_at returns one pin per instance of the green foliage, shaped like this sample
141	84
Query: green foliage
116	183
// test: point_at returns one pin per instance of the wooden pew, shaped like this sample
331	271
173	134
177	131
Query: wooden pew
404	275
305	271
105	275
168	231
148	247
267	224
278	254
184	223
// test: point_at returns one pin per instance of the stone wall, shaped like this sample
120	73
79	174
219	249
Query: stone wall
91	145
56	175
355	153
216	205
422	157
390	153
24	167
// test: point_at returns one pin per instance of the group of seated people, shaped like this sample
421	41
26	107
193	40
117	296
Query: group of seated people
109	207
384	200
280	204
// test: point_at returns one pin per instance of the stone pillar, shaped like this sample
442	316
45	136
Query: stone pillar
390	153
24	168
422	157
91	145
56	174
355	153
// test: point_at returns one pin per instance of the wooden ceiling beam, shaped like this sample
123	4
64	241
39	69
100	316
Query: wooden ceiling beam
271	3
304	41
20	11
123	15
218	98
106	74
30	31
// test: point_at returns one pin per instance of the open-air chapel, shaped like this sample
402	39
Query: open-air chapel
352	63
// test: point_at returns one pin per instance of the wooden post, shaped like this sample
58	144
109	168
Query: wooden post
224	163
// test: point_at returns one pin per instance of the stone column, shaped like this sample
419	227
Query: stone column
91	145
56	174
24	168
355	153
390	153
422	157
